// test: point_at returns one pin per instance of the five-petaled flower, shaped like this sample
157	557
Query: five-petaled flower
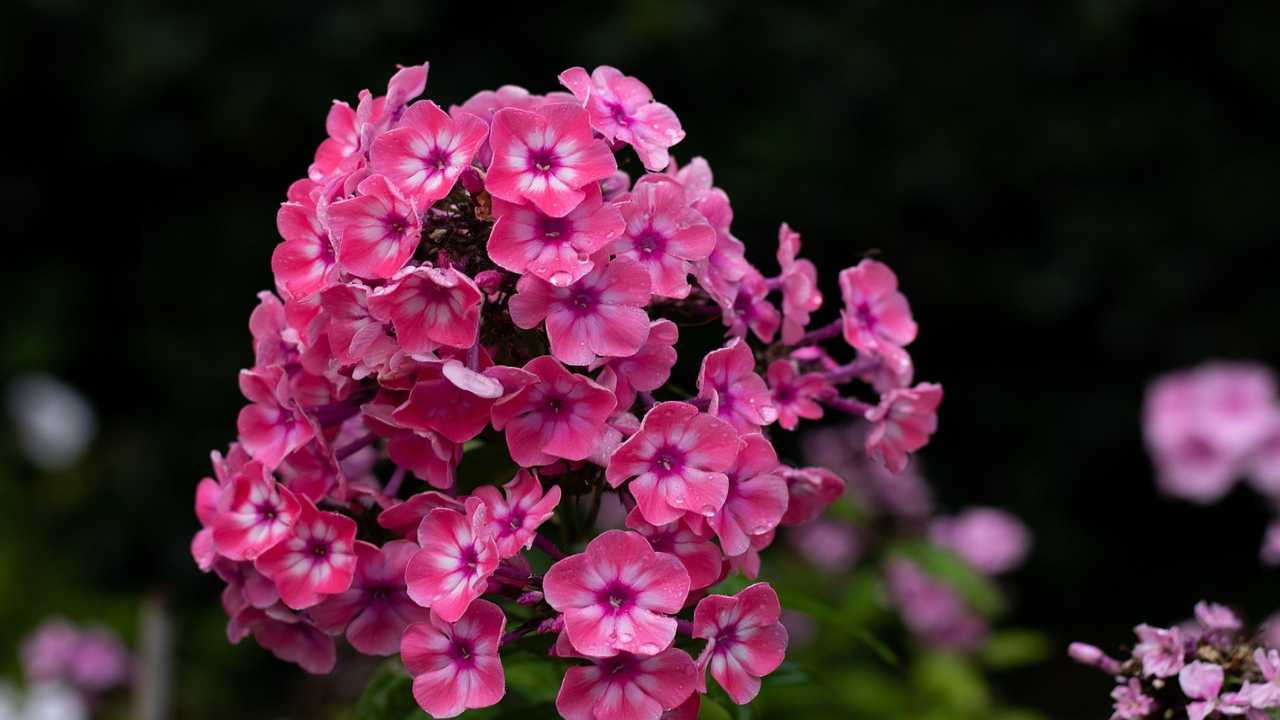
746	639
546	157
457	557
455	666
428	151
317	559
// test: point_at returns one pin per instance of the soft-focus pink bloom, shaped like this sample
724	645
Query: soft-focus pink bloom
316	559
516	512
1130	702
455	666
627	686
829	545
623	110
931	609
377	608
796	396
756	498
746	639
664	234
430	307
677	458
100	661
877	318
546	157
700	557
1201	682
450	399
1217	621
47	652
648	369
809	492
991	540
427	152
556	249
1270	552
737	395
376	231
618	595
457	557
1263	462
558	416
799	281
750	308
304	263
270	428
600	315
288	636
902	424
356	337
1162	652
253	514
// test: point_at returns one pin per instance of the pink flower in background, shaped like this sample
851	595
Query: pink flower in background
555	249
992	541
517	511
902	424
376	231
287	636
455	667
746	639
677	458
270	428
600	315
558	416
735	392
1130	702
47	652
829	545
809	492
796	396
430	307
799	280
756	498
1219	622
377	608
253	514
304	263
627	686
700	557
664	234
316	559
616	597
1202	682
932	610
546	157
877	318
1162	652
457	557
1267	693
646	370
427	152
623	110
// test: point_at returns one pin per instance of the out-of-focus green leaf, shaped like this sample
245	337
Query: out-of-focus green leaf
534	678
949	682
389	695
1015	648
712	710
831	618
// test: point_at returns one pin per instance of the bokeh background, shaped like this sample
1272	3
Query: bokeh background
1076	195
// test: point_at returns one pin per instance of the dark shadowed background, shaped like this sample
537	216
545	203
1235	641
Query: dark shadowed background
1076	196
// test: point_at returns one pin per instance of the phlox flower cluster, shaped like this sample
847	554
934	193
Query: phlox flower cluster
505	282
1208	427
1209	666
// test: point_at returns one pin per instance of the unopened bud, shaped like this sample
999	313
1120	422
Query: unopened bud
530	598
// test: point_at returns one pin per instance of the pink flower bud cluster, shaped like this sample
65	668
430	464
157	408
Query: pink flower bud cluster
1206	667
90	660
1208	427
487	279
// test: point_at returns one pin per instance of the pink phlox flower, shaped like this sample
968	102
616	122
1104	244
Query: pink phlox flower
615	187
664	234
376	609
645	371
426	153
700	557
677	459
735	393
408	82
555	249
688	710
1161	651
270	427
750	309
623	110
627	686
831	546
600	315
1201	682
305	263
992	541
289	637
932	610
377	231
246	587
1265	695
756	498
748	563
315	560
902	424
487	102
1263	463
618	595
799	281
455	666
46	653
546	156
746	639
809	491
208	491
450	399
356	337
99	662
275	342
338	154
403	518
516	512
1130	702
429	307
795	396
1219	623
877	318
558	416
723	270
457	557
253	514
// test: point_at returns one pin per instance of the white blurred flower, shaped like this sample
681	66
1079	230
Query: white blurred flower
54	702
54	422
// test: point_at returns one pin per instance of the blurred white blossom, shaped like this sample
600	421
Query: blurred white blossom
54	422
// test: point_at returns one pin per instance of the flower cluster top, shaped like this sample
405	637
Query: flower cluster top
484	286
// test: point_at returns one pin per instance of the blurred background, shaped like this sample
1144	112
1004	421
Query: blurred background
1076	195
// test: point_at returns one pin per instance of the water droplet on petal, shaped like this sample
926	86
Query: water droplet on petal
625	637
649	649
561	279
708	510
760	529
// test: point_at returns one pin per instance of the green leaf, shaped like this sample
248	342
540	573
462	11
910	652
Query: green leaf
389	695
712	710
532	678
834	620
1014	648
951	683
